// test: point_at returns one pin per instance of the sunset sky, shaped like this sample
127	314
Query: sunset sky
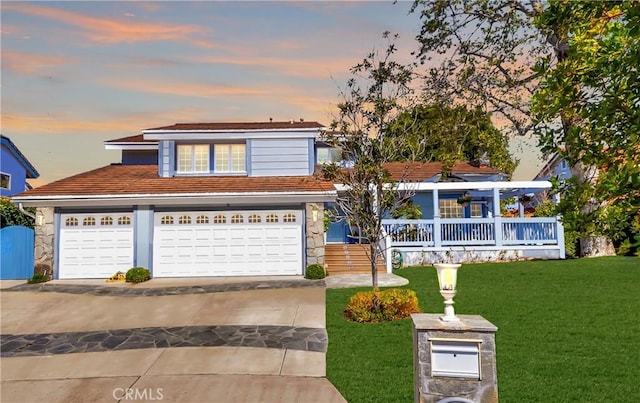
75	74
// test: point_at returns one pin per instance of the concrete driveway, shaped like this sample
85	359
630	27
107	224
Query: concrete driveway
262	345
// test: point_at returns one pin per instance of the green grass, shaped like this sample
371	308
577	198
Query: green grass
568	331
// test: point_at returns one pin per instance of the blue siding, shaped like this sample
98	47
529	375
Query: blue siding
269	158
143	237
16	259
247	156
139	157
10	165
425	201
166	159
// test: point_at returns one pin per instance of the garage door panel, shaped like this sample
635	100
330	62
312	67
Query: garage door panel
227	243
95	245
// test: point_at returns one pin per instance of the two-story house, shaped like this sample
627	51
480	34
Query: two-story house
15	169
239	199
201	199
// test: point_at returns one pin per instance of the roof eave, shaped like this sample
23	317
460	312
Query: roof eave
32	172
186	199
131	146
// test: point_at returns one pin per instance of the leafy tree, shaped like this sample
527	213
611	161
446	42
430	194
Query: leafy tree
11	215
378	91
594	92
497	54
453	133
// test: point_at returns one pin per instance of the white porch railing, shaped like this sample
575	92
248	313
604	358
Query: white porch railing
475	232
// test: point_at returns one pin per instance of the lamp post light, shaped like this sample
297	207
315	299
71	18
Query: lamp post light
447	277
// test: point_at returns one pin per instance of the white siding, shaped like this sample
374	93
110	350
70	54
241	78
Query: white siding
279	157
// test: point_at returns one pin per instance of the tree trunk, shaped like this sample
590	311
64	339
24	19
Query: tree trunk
374	265
594	246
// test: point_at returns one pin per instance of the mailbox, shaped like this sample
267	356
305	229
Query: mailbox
455	358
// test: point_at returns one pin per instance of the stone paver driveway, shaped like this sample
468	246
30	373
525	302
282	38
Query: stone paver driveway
186	344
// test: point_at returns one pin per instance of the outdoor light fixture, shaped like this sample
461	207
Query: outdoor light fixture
447	277
314	215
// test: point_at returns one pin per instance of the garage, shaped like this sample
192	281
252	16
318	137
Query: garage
227	243
95	245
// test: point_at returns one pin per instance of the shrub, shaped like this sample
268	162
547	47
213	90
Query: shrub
138	275
38	278
314	272
379	306
11	215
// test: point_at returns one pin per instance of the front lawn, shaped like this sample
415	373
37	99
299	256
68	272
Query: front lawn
568	331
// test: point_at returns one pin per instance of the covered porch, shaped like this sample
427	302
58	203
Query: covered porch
476	234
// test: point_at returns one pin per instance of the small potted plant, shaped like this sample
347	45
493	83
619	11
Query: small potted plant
465	199
525	199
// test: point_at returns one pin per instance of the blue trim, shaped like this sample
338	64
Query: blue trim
31	170
312	156
143	237
303	236
172	159
56	243
247	156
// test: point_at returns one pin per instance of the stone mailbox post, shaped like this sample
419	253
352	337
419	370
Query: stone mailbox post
454	362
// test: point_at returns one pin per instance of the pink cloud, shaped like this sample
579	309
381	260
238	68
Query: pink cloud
31	63
109	31
305	68
184	88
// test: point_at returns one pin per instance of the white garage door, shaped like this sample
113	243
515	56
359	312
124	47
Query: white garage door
227	243
95	245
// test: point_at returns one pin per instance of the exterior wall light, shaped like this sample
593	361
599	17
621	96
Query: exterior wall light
447	278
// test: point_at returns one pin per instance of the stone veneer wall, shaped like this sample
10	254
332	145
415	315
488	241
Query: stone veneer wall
433	389
43	251
315	234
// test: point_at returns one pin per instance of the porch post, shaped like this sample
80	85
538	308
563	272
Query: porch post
497	217
560	235
437	236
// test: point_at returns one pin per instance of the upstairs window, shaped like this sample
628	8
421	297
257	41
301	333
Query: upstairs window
193	158
5	181
230	158
326	155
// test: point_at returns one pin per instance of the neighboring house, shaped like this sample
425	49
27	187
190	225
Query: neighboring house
197	199
554	167
15	169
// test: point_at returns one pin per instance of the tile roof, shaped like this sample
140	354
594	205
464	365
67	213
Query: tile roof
222	126
138	138
119	179
420	171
